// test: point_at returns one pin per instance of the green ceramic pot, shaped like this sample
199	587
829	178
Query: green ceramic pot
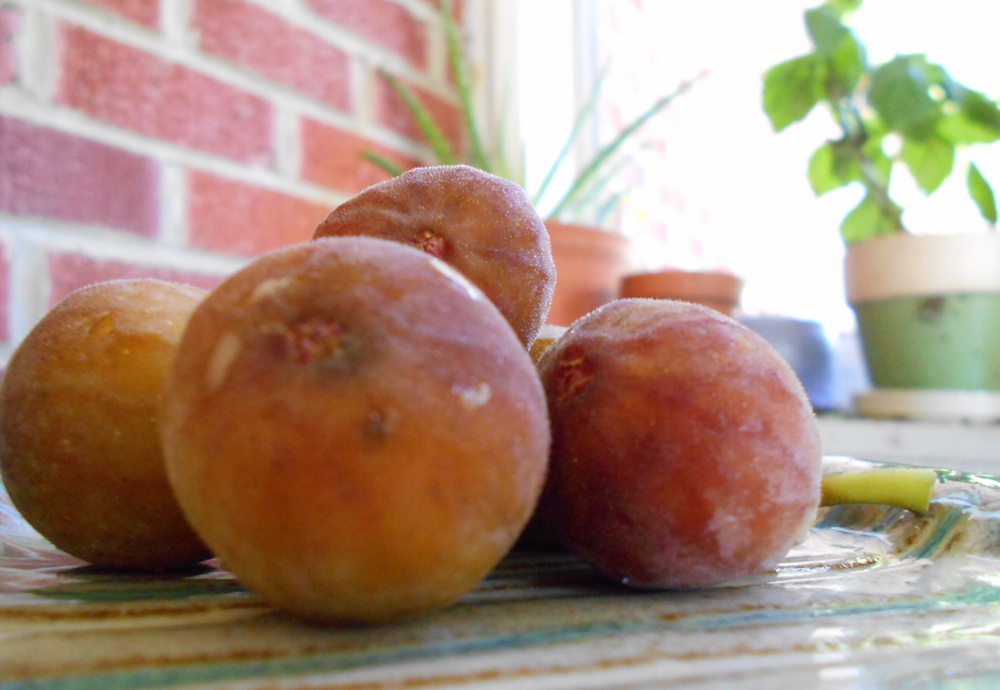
928	310
947	342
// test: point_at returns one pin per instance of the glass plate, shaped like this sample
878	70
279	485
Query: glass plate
874	598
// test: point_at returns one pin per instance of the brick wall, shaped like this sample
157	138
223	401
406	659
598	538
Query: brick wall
180	138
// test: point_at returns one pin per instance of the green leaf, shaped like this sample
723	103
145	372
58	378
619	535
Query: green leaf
821	171
975	121
844	7
930	160
791	89
593	168
501	165
425	122
590	195
900	93
847	63
982	109
578	123
839	50
384	163
982	194
831	167
460	69
825	28
958	128
870	219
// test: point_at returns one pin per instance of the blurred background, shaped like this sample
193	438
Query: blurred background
181	138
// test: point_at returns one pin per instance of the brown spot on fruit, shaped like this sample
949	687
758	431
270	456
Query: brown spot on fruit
378	425
314	340
432	243
571	373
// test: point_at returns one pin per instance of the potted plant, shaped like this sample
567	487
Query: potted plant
590	261
927	305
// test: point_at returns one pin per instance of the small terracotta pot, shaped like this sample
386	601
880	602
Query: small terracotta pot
720	291
590	264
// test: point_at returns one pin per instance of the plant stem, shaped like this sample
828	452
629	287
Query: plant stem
902	487
605	153
464	88
856	136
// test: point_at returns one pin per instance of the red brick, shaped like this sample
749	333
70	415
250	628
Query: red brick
382	22
47	173
144	12
69	272
391	111
333	158
250	36
132	89
4	293
10	24
237	218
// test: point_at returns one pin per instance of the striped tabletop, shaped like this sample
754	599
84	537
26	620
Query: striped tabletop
874	598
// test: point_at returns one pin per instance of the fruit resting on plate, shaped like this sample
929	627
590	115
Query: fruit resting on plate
479	223
684	450
79	446
354	429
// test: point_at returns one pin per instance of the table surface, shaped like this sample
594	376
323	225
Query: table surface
876	597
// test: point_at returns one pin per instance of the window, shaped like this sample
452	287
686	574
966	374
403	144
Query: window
713	185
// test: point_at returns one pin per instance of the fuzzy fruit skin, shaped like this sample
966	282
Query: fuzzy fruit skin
355	430
479	223
79	445
685	452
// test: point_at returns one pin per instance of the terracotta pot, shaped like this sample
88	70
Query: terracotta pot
590	264
718	290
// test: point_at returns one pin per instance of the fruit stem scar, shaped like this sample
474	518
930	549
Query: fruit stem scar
313	340
572	372
432	243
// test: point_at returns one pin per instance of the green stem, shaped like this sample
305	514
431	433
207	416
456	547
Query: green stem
464	87
605	153
435	137
856	136
901	487
574	132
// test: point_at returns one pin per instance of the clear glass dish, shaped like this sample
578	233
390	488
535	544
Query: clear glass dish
875	597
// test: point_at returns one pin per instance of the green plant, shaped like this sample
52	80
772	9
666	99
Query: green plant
906	112
586	191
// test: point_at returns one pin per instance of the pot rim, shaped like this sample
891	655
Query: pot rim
935	404
905	265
